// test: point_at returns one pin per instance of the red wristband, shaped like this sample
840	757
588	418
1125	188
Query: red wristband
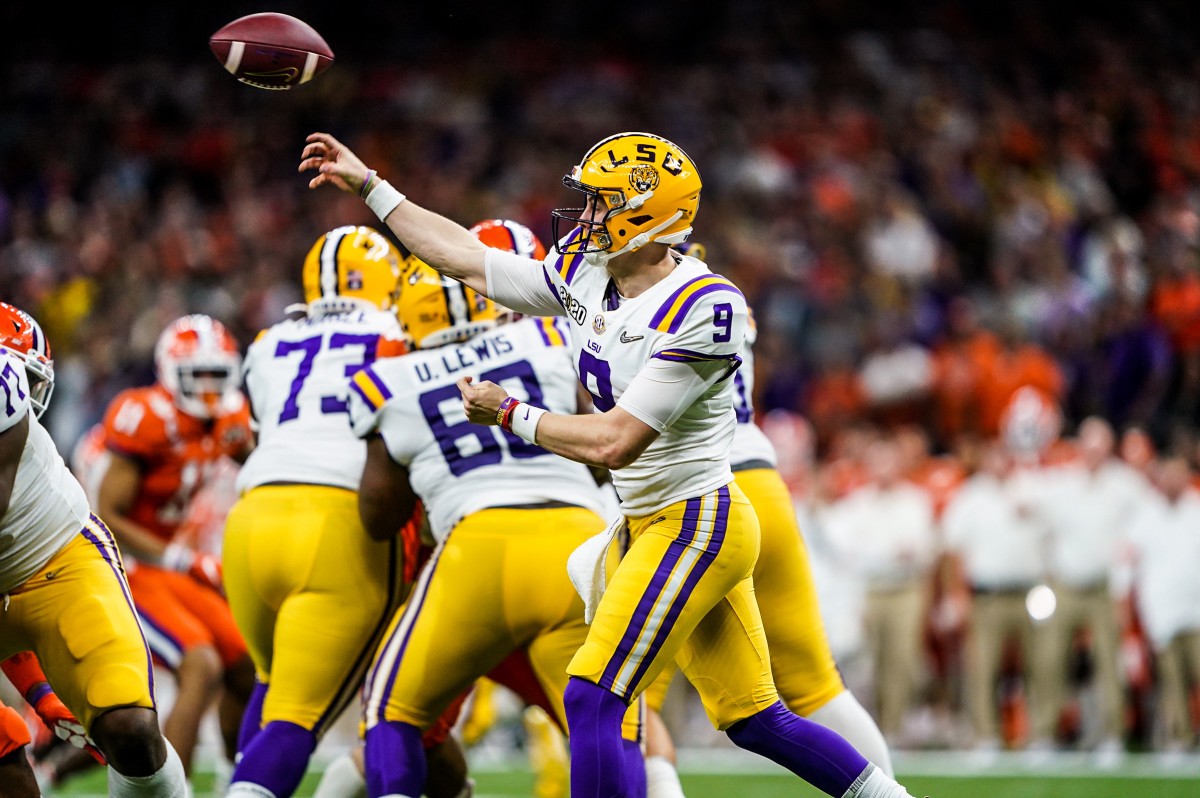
505	412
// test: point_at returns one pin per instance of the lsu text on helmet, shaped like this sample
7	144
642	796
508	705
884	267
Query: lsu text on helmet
639	189
436	310
511	237
199	364
351	268
23	337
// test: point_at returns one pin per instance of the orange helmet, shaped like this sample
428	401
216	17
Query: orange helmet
511	237
23	337
199	364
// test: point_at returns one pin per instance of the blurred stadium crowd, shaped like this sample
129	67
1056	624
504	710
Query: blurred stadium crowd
963	231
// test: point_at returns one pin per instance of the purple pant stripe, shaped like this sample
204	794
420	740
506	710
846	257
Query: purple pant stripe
118	570
356	673
698	570
691	518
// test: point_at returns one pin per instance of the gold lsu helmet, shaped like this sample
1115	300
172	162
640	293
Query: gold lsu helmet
643	189
436	310
352	268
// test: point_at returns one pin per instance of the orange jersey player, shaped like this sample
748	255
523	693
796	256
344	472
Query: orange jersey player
161	443
26	675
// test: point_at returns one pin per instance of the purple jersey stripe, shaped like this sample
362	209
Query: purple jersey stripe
373	377
354	677
698	570
550	285
412	614
114	562
363	395
542	332
666	306
691	518
568	263
689	356
678	318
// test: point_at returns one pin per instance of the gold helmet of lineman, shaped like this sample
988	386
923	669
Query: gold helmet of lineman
352	268
436	310
642	189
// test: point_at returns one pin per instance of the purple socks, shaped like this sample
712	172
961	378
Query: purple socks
811	751
395	759
602	764
251	718
276	758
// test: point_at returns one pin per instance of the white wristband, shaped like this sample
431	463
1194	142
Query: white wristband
177	557
383	199
525	420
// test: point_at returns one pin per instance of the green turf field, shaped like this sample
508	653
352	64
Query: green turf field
757	784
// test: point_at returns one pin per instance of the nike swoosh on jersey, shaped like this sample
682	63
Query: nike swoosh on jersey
628	339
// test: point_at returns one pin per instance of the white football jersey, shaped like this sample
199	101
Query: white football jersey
693	315
47	506
751	446
456	467
295	377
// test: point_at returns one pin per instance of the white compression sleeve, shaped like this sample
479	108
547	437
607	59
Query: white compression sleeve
844	715
342	779
662	780
168	782
663	389
520	284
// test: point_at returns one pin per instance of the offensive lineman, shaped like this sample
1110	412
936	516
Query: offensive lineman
655	338
506	514
63	583
311	592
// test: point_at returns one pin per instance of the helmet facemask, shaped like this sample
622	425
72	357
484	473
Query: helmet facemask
41	383
640	189
199	365
27	341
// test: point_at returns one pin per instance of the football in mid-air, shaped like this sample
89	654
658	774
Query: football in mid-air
271	50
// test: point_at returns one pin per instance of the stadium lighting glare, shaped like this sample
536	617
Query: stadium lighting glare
1040	603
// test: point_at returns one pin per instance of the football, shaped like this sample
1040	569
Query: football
271	51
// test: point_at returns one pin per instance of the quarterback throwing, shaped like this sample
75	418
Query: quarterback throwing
654	338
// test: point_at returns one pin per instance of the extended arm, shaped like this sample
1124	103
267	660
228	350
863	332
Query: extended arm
386	500
118	490
445	245
654	400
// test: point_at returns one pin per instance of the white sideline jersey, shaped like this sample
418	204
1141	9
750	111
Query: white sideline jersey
751	446
691	316
47	507
295	377
456	467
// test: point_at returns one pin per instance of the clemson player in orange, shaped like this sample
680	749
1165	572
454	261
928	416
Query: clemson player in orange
17	779
160	443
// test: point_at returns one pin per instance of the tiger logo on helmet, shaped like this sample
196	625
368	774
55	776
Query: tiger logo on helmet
436	310
199	364
353	267
22	336
640	189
